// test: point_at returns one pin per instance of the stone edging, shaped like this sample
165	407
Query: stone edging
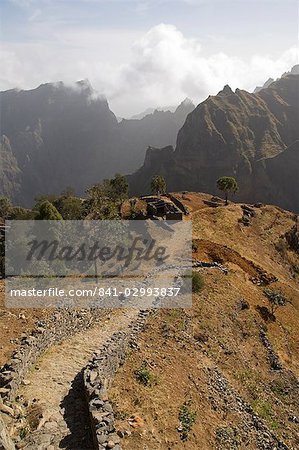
179	204
98	377
63	323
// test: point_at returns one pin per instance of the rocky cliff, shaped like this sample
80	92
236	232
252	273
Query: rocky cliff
157	129
57	136
249	136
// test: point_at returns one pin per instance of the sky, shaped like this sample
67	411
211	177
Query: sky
147	53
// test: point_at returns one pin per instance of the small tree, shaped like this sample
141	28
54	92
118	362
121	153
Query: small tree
119	188
47	211
158	185
70	208
227	185
197	282
275	299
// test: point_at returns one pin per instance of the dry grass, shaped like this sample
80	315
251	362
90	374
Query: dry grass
179	345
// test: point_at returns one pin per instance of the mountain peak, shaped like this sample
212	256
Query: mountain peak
226	90
295	70
186	105
85	85
187	101
265	85
235	134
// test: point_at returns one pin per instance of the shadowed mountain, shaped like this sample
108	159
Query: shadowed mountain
249	136
160	126
57	136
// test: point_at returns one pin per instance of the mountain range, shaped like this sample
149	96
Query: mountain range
58	136
251	136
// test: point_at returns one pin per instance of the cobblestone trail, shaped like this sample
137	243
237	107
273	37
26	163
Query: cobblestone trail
56	384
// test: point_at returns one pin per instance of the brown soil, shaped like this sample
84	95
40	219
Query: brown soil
14	322
190	352
186	350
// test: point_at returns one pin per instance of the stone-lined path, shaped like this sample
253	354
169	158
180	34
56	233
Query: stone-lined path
56	384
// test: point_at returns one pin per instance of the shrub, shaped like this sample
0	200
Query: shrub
265	410
275	299
187	419
47	211
145	376
197	282
194	245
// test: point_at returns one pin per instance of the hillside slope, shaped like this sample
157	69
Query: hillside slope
232	366
236	134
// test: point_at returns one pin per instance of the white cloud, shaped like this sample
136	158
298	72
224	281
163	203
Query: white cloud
23	3
162	67
36	13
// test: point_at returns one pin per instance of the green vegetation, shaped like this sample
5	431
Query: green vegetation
194	245
69	206
280	388
251	379
265	411
227	185
187	419
47	211
197	282
105	199
158	185
228	436
118	188
275	299
5	207
145	376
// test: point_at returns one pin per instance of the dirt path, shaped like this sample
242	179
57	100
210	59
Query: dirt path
56	384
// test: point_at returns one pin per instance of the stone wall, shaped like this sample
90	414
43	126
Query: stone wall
60	325
98	377
178	204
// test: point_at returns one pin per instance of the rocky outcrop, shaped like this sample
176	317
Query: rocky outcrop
265	85
230	400
249	136
292	237
157	129
279	177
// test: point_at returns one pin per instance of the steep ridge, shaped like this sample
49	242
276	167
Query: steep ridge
159	128
234	133
57	135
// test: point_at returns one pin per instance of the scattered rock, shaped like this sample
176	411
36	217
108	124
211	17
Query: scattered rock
6	409
243	304
136	421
